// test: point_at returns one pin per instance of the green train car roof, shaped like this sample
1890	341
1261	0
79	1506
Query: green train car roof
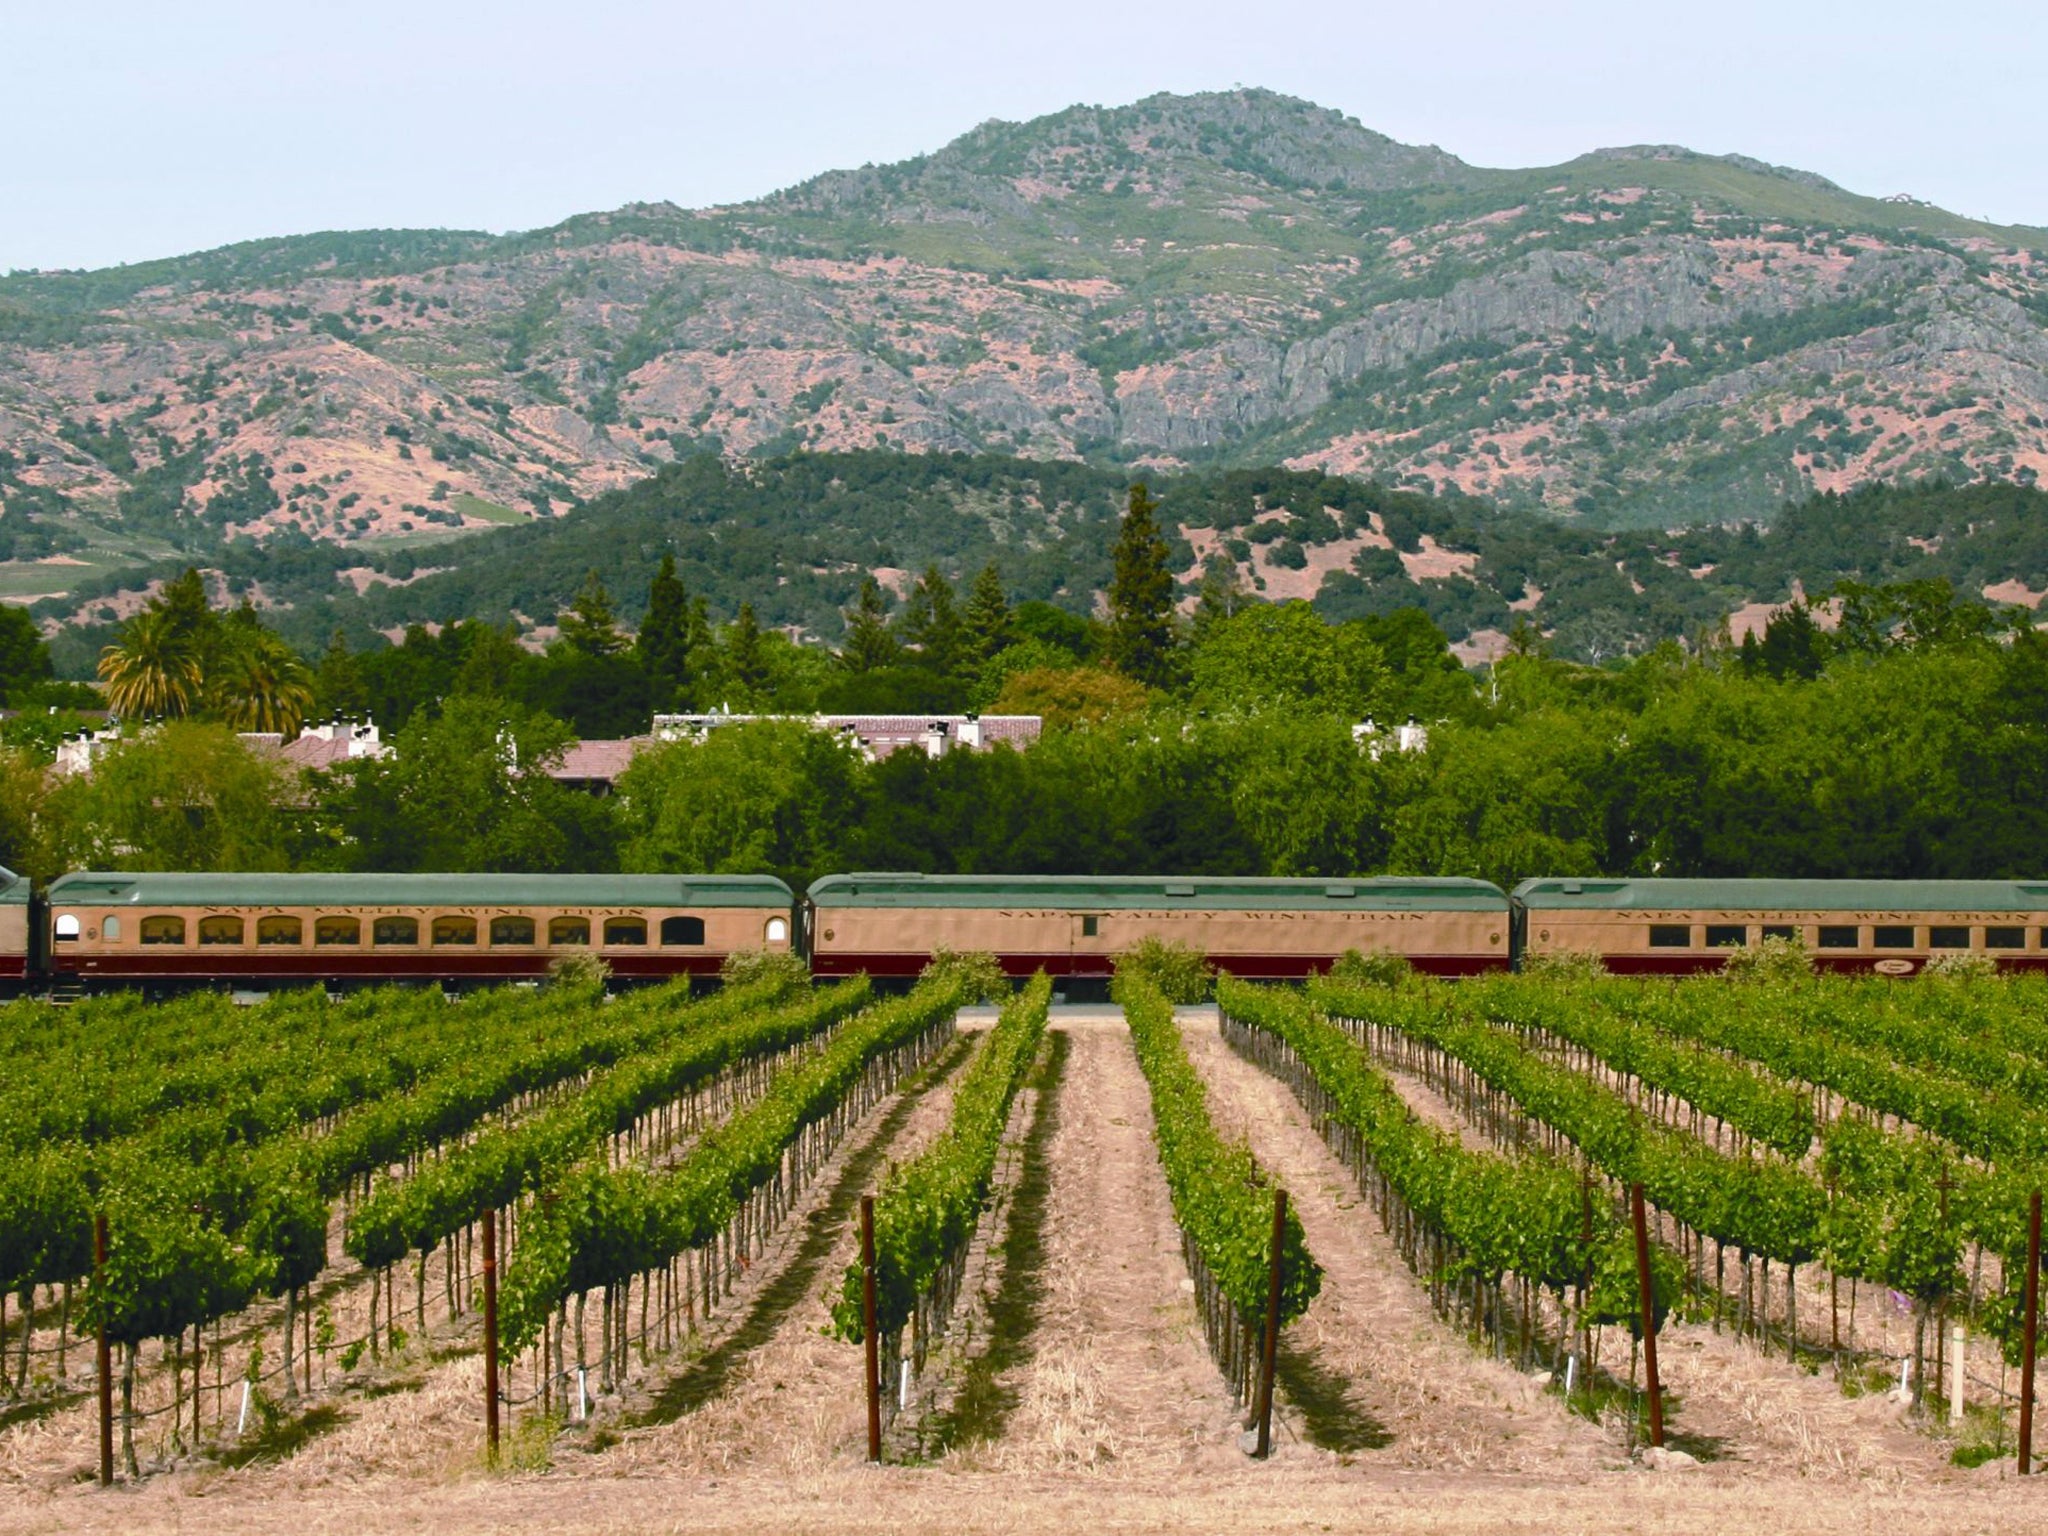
161	890
1151	892
14	889
1787	895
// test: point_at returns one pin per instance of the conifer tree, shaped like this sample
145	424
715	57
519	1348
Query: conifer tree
932	623
589	625
868	646
338	687
988	614
746	660
1141	596
664	640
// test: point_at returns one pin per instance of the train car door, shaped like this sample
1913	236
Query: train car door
1088	944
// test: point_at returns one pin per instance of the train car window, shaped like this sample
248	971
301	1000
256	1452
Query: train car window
395	930
1891	936
67	927
2005	938
511	930
1948	936
625	930
1670	936
220	930
778	930
1091	927
568	930
1726	935
682	930
1780	931
110	930
280	930
1844	936
163	930
337	930
454	930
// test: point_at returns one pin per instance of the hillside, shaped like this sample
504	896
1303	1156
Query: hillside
1643	336
794	536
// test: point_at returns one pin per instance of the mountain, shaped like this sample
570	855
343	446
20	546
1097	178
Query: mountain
1644	336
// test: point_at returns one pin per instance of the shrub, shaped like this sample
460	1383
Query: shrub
743	967
978	973
1379	969
1775	959
1181	972
1961	965
581	969
1565	964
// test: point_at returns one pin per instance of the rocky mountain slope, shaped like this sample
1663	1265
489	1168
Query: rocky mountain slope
1643	336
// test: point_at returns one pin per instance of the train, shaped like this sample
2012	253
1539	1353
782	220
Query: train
162	932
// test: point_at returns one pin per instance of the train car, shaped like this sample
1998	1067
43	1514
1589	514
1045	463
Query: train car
16	932
1675	927
1075	926
160	930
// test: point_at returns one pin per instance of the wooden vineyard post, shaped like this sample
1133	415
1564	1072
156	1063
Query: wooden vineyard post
491	1334
2027	1332
103	1357
1269	1347
872	1345
1649	1299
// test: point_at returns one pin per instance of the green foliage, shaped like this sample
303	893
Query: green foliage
928	1210
1774	961
978	974
753	967
1140	594
581	971
1285	657
1222	1199
1382	968
1179	972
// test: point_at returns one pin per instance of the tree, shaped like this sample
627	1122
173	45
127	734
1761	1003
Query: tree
258	683
154	669
868	645
1070	696
1283	656
988	615
664	641
1222	594
765	797
465	788
338	687
932	624
746	660
1141	596
588	625
186	795
1793	645
24	659
492	661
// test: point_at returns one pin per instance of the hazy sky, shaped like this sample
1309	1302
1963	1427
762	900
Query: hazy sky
136	130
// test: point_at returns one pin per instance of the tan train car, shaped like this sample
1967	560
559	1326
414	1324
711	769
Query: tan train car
16	931
889	924
167	929
1676	927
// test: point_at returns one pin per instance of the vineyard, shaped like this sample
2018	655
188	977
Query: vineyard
775	1231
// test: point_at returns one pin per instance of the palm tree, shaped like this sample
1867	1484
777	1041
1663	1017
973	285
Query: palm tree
154	670
260	684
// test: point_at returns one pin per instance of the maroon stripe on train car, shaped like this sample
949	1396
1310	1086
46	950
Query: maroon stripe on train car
13	967
1098	967
354	965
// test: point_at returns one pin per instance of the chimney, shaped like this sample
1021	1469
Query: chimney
970	732
935	739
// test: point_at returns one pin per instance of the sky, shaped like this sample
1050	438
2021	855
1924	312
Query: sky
130	131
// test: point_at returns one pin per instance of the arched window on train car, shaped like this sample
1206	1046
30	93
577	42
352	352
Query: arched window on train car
625	930
220	930
110	928
279	929
778	930
395	930
682	930
66	927
511	930
337	930
163	929
568	930
454	930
